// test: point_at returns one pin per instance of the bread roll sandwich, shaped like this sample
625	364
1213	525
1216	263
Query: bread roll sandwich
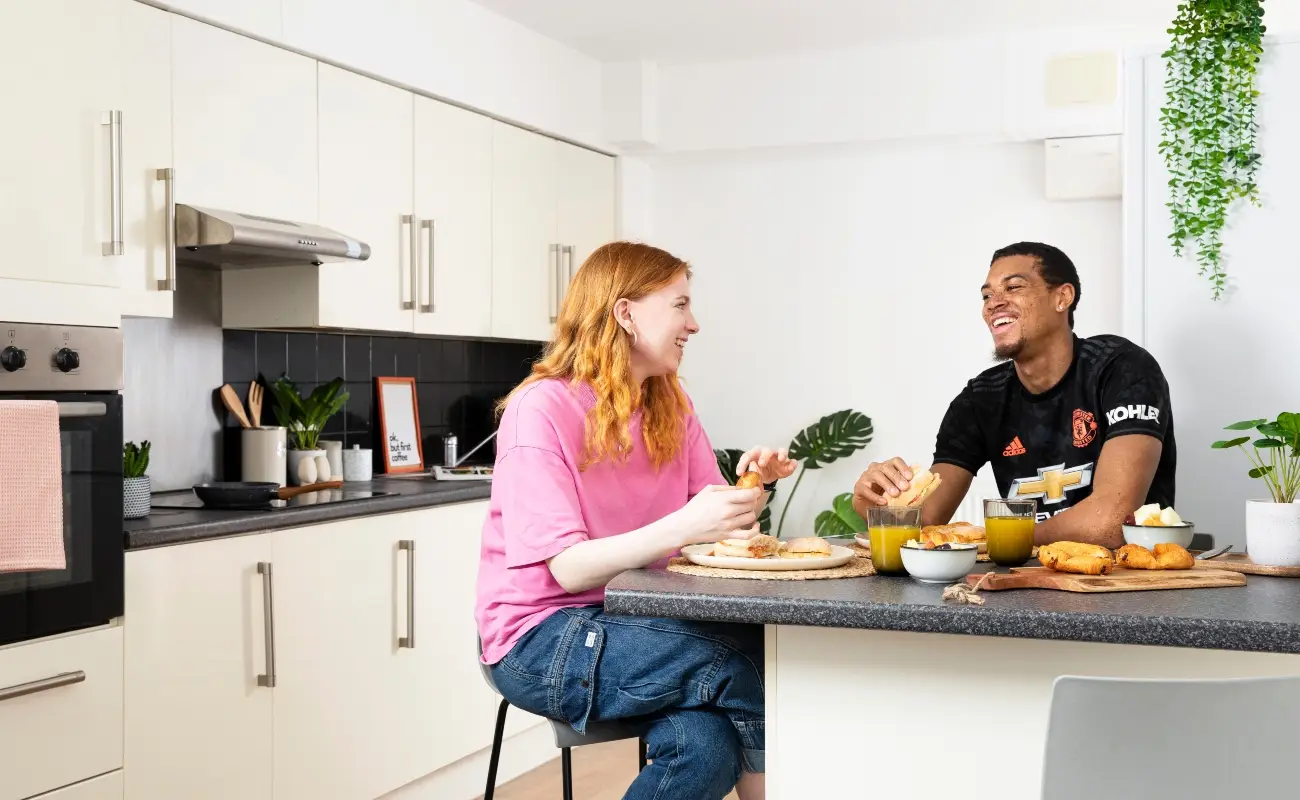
805	547
924	482
761	546
750	480
956	532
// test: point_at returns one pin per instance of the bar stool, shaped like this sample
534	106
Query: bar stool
566	738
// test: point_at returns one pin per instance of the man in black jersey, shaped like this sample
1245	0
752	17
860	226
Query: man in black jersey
1082	426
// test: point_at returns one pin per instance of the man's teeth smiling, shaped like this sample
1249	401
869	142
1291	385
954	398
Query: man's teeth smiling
681	343
1001	321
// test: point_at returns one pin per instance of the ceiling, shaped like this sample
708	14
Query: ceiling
694	30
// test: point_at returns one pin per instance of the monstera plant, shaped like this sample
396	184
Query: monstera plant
826	441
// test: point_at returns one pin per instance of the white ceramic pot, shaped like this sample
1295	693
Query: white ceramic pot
302	466
1273	533
136	497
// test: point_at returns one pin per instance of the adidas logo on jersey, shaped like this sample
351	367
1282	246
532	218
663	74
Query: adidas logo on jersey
1014	449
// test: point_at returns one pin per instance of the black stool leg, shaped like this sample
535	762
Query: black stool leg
496	751
642	749
566	769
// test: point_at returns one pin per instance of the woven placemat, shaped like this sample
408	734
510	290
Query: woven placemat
857	568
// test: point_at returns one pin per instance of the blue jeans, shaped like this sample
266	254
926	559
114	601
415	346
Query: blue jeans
698	685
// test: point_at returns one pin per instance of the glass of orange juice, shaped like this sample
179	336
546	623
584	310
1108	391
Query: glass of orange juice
889	528
1009	529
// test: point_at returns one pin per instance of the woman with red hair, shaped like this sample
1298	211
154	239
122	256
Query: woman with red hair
602	466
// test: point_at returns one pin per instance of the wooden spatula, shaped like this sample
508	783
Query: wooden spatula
233	405
255	403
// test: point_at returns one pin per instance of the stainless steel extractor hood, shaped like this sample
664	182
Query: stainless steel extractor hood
229	240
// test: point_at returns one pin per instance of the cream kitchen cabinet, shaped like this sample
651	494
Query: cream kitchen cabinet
104	787
453	203
61	708
367	696
90	126
412	178
553	204
243	124
259	18
200	724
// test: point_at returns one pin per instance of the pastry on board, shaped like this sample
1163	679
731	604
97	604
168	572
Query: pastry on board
1165	555
1077	558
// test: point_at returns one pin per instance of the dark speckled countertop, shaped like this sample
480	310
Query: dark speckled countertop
1262	616
168	526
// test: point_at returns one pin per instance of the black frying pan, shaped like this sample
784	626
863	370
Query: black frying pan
252	495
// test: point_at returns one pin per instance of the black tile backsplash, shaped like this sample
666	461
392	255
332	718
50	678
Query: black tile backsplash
458	382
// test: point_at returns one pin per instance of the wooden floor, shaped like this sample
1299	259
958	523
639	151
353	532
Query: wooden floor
600	772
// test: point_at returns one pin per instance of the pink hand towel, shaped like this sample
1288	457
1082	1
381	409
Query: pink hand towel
31	486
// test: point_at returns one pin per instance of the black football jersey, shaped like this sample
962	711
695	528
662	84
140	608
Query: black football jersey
1045	446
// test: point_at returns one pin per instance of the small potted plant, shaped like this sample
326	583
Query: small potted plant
304	418
1272	524
136	486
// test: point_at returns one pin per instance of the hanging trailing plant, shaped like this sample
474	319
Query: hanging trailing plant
1207	126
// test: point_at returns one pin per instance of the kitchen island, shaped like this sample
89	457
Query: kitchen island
878	685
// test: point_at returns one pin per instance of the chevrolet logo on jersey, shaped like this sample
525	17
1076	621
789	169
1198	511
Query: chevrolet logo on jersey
1051	483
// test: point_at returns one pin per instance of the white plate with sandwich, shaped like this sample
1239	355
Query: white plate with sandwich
768	553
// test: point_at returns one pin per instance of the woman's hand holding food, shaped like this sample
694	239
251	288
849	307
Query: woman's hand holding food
771	465
718	512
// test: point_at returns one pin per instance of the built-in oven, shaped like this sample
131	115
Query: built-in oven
80	369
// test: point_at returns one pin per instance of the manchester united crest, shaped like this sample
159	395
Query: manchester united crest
1085	428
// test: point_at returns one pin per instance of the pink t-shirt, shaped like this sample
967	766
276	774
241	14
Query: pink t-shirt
542	504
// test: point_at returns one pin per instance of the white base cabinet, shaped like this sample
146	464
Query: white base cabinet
367	695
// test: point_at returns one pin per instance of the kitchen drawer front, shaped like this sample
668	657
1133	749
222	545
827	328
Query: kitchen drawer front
65	723
105	787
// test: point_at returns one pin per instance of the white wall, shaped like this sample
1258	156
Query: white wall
848	276
1234	359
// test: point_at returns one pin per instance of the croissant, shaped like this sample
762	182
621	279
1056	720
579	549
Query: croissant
750	480
1166	555
1077	558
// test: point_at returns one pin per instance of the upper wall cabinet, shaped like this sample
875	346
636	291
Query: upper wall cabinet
553	204
254	17
244	124
64	210
410	177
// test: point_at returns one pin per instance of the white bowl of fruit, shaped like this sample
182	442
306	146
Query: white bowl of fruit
1151	525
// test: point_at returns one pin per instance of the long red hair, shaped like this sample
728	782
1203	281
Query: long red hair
590	347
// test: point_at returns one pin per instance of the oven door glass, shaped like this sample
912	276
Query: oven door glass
88	591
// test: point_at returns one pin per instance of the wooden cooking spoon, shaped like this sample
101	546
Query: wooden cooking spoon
255	403
233	405
286	492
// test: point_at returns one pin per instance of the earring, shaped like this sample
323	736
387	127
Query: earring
1060	308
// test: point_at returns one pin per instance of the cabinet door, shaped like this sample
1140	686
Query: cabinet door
105	787
366	192
244	124
342	711
199	726
255	17
525	254
146	148
59	80
586	205
453	202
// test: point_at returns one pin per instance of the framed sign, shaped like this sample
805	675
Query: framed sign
399	425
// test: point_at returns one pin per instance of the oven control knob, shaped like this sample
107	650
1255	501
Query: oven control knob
12	359
67	360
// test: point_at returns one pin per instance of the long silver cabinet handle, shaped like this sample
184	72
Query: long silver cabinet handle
568	270
268	618
168	175
76	408
42	685
554	278
113	119
408	222
408	640
430	307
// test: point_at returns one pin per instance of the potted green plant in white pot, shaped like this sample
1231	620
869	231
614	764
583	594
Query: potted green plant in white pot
137	488
1273	523
304	418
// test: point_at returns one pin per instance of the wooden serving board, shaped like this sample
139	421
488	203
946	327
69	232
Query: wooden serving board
1120	580
1240	562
